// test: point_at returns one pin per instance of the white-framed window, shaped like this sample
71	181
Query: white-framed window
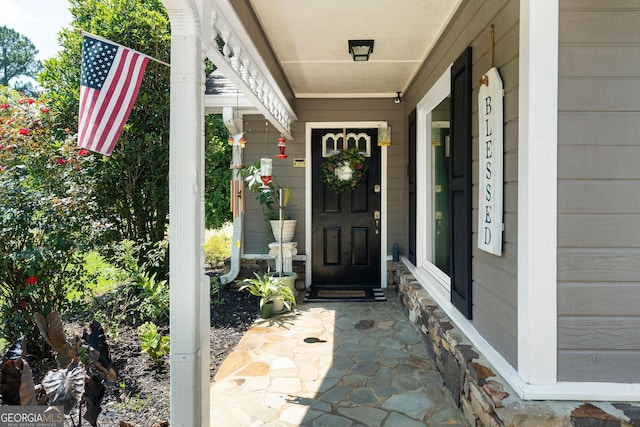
432	197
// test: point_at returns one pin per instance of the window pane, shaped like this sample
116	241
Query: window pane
441	243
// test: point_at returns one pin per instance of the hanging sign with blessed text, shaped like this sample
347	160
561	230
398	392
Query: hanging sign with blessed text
490	113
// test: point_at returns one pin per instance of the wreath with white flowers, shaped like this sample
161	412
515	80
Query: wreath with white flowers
344	171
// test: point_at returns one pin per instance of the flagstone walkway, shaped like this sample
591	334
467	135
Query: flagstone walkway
337	364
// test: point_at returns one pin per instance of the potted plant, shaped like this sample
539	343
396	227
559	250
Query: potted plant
273	200
271	292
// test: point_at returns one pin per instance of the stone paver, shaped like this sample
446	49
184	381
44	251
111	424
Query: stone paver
361	364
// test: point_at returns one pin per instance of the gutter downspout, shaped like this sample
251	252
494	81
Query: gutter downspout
189	286
238	220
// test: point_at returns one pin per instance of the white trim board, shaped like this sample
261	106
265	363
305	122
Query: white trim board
537	191
383	197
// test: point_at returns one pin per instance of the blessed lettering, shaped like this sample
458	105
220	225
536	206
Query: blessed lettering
488	169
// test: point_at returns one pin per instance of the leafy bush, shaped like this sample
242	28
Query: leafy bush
46	192
115	307
133	190
83	364
216	289
153	294
153	343
140	296
217	157
217	248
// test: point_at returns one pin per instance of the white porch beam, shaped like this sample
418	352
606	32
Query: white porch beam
537	192
189	286
215	104
241	63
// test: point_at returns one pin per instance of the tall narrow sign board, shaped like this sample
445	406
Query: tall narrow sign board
490	197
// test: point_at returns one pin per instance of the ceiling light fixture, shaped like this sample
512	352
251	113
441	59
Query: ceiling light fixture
397	99
360	50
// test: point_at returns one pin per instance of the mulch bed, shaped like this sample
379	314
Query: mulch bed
140	396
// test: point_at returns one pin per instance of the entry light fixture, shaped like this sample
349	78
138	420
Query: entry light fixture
398	98
360	50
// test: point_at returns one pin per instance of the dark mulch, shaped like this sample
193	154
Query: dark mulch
140	396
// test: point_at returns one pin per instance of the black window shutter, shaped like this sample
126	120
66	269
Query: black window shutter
411	172
460	184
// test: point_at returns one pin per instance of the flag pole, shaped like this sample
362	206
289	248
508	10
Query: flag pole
95	36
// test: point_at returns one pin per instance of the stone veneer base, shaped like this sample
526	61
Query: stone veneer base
483	396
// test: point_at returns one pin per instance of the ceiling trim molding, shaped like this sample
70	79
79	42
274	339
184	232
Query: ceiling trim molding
390	95
240	62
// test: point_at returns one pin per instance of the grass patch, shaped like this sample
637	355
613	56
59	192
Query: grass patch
104	277
107	276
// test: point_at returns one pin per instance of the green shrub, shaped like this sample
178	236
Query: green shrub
152	293
46	192
217	248
216	289
153	343
155	296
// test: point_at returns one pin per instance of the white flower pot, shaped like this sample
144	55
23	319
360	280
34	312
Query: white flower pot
289	229
288	277
278	305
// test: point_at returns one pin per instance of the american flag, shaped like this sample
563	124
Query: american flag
110	80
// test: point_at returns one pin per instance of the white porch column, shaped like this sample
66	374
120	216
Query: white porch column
537	192
189	306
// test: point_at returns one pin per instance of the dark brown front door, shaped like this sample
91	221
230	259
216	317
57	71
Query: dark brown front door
345	231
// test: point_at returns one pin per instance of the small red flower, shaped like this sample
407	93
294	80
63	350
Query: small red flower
45	110
1	146
9	121
23	304
31	280
83	152
24	131
27	101
61	161
358	166
4	106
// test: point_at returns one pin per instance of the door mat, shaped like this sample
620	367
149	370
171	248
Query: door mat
321	294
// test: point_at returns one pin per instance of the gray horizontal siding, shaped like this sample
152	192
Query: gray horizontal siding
598	196
599	191
599	231
599	128
595	162
256	228
494	278
598	299
599	265
600	366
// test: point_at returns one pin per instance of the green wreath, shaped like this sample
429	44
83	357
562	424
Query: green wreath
344	171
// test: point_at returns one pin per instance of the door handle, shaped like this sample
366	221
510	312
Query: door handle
376	216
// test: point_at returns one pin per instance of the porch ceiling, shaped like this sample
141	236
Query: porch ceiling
309	39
